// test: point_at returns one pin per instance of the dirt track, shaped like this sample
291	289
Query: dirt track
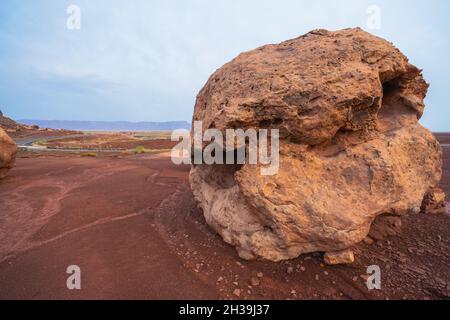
132	227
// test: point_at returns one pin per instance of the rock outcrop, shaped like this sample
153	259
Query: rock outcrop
8	151
347	106
434	202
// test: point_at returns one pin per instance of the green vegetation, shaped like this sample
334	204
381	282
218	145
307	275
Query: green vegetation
89	154
41	142
139	150
153	135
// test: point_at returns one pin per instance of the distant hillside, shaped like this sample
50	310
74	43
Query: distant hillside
8	123
109	125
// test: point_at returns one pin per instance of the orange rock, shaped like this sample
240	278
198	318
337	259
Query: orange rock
8	151
434	201
339	257
347	105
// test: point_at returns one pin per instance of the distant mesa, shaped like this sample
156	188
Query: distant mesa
108	125
18	130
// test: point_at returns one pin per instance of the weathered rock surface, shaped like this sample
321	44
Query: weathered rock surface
8	151
434	201
347	106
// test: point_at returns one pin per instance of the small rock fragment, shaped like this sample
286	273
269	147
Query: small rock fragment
365	277
339	257
255	281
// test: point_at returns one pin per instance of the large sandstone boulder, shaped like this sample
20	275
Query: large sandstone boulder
8	151
347	106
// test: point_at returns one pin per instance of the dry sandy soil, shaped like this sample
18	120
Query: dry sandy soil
108	140
131	225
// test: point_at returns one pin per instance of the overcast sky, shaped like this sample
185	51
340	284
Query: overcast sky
146	60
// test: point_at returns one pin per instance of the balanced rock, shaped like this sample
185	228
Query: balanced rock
347	106
8	151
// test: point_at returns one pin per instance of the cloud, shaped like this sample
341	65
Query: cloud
146	60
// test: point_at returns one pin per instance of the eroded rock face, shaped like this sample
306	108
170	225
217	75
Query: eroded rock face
347	106
8	151
434	201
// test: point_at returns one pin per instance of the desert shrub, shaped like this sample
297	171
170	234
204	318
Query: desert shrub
89	154
41	142
139	149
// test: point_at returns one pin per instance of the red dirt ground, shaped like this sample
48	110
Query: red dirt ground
131	225
110	141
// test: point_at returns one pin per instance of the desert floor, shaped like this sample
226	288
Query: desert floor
131	225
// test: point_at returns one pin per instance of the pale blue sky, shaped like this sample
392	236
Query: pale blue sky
142	60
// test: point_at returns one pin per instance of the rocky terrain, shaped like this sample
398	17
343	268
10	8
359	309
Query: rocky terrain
347	106
133	226
139	235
